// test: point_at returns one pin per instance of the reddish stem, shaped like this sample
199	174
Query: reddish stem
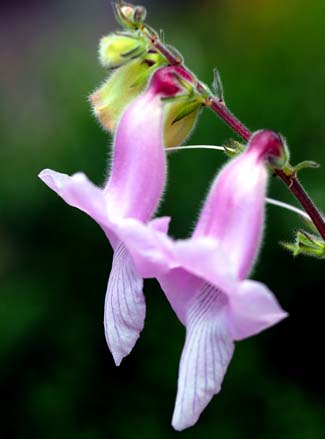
226	115
230	119
304	199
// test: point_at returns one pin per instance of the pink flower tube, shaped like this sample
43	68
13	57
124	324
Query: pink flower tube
204	277
133	190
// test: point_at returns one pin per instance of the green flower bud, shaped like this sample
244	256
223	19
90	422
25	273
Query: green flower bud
119	48
121	87
130	16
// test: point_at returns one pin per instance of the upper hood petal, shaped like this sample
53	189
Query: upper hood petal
234	211
138	171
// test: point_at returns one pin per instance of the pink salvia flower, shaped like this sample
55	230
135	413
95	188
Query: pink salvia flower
133	190
204	277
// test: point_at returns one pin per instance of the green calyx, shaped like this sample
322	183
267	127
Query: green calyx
180	118
181	113
306	244
290	170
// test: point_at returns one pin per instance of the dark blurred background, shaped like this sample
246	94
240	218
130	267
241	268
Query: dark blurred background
57	377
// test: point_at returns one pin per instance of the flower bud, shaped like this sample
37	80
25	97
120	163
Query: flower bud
121	87
119	48
130	16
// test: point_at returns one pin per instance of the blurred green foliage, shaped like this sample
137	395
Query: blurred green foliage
57	375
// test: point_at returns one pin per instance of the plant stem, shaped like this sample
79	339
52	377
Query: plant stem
304	199
226	115
220	108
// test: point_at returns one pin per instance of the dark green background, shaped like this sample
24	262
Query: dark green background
57	377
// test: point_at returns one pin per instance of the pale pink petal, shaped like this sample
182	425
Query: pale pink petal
178	265
253	308
195	261
207	352
124	306
205	257
78	191
138	173
234	211
148	245
179	287
160	224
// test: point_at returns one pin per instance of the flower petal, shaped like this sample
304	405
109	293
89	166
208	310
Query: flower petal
77	191
234	210
206	258
253	309
179	287
195	261
138	170
180	266
148	245
207	352
161	224
125	307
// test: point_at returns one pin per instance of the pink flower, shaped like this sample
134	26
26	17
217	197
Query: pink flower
204	277
133	190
